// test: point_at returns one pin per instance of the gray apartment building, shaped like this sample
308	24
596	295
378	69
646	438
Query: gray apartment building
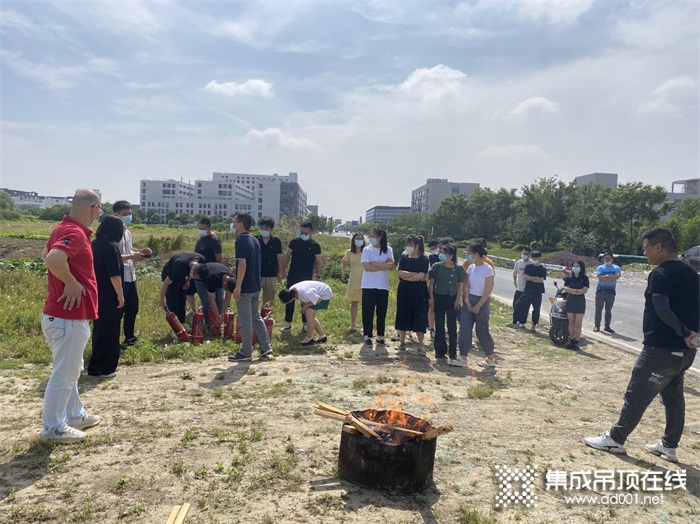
427	197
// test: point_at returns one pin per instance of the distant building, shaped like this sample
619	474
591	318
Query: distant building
34	199
427	198
604	179
313	209
684	189
227	193
385	214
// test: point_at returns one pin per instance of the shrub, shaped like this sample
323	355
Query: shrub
566	258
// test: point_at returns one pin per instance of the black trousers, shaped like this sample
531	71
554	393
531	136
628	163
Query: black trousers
289	308
176	298
523	304
130	309
445	307
374	299
105	340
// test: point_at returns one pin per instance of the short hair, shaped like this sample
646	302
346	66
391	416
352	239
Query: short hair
536	254
204	222
527	249
307	224
120	205
433	243
267	221
608	253
287	295
244	218
111	228
231	284
660	235
202	271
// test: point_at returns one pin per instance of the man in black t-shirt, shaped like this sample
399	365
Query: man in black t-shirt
671	324
271	266
304	253
209	246
535	275
176	285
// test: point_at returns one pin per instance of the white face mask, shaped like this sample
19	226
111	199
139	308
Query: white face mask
409	250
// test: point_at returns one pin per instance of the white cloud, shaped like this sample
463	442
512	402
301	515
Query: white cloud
136	17
433	83
664	26
274	138
54	77
10	19
247	88
675	84
145	85
514	152
556	11
659	106
536	104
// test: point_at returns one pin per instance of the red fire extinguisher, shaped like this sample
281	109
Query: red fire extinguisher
266	310
198	328
176	326
216	331
229	325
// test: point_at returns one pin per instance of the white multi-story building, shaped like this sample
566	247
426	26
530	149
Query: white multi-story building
34	199
227	193
427	198
385	214
608	180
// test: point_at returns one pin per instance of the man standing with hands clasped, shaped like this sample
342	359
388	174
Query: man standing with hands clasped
70	305
608	274
671	324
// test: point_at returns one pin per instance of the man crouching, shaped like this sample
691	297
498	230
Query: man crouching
314	296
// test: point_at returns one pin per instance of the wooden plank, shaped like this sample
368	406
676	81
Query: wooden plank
349	429
384	427
328	414
361	427
327	407
182	513
436	432
173	515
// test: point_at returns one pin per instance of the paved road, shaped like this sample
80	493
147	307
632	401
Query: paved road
626	313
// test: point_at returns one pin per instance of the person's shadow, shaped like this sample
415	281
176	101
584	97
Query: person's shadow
25	469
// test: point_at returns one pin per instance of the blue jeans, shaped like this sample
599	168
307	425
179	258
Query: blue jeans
204	299
67	339
657	371
248	308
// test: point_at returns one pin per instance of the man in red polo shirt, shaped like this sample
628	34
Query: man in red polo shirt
69	307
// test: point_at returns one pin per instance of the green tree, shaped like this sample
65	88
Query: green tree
170	216
489	212
153	216
636	207
54	213
185	218
318	223
542	211
6	201
685	224
450	218
138	216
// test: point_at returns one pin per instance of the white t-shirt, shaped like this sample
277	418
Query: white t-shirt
126	248
519	272
312	291
376	279
477	278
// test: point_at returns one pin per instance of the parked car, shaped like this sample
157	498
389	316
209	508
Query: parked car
692	257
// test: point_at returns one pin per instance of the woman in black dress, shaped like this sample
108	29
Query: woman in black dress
109	272
412	294
576	285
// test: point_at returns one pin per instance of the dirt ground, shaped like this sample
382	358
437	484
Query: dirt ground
240	443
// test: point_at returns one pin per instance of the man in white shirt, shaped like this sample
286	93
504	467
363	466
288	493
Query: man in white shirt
519	283
122	209
313	296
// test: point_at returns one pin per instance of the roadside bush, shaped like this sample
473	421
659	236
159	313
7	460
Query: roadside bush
566	258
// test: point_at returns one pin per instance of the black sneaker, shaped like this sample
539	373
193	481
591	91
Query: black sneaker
381	341
368	341
608	329
238	357
569	345
596	329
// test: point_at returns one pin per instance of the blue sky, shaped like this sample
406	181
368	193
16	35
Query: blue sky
365	100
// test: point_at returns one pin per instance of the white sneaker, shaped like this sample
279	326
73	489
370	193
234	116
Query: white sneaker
421	350
521	325
401	346
662	451
513	325
66	436
533	328
190	312
304	328
395	337
286	327
87	421
458	362
487	363
605	443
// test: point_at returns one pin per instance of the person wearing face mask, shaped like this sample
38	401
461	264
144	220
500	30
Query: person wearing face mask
447	281
177	276
353	258
70	305
377	260
434	247
519	282
576	285
271	268
122	209
303	253
608	275
412	293
534	275
467	259
209	246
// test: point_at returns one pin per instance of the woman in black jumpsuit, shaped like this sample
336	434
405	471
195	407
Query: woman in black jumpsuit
109	272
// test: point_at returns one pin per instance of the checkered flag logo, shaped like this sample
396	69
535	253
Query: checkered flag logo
515	486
